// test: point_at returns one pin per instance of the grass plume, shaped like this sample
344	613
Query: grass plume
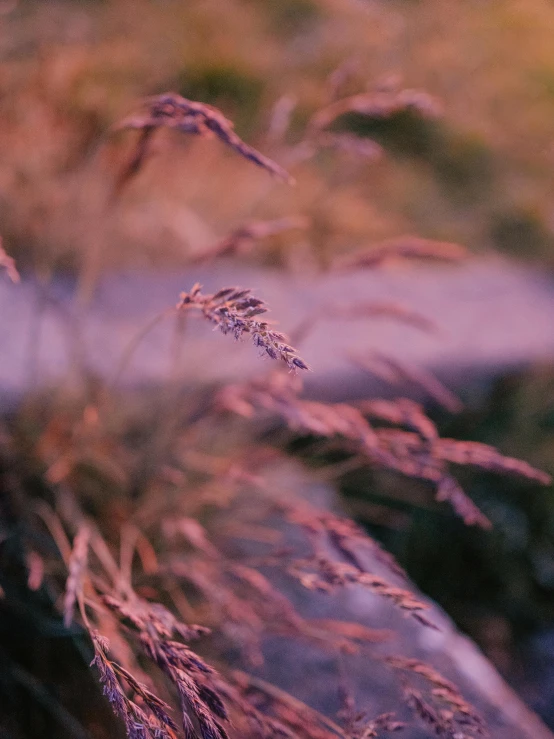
235	311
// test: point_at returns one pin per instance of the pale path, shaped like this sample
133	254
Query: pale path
493	316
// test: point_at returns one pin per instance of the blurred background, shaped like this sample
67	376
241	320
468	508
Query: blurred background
473	164
480	174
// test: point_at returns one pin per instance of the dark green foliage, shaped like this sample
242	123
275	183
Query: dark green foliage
463	164
290	17
520	231
237	92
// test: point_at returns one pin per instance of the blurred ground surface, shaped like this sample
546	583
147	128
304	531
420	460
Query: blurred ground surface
486	317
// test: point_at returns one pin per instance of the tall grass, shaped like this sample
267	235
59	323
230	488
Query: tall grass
129	529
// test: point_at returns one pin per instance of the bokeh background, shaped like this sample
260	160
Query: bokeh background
480	174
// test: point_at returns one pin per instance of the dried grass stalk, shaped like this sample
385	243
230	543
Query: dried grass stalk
151	720
467	453
361	148
170	110
384	724
234	310
201	707
341	76
421	455
243	238
77	570
323	574
450	490
402	247
486	457
349	538
35	569
352	631
319	572
350	144
305	722
8	263
396	371
401	412
279	122
378	104
445	709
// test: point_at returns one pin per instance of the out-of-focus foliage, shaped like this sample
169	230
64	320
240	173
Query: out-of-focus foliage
481	175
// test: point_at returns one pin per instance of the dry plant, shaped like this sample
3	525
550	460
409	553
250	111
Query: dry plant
234	310
420	454
398	372
406	247
376	104
173	111
8	264
139	560
244	238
